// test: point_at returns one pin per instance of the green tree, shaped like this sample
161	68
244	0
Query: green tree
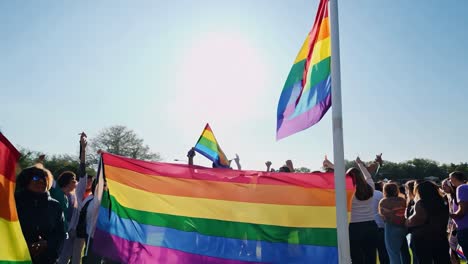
55	163
122	141
302	170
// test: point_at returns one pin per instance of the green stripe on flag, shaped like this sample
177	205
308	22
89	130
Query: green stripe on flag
237	230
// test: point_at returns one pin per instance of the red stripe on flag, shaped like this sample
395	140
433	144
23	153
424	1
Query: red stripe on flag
8	158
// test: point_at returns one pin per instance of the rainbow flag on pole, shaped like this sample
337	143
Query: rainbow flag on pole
13	247
208	146
174	213
306	95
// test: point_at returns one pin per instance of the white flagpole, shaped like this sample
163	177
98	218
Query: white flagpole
338	149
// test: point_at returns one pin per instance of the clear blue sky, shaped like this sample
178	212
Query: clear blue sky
165	68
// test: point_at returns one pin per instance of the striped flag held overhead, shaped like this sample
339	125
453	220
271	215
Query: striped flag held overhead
13	247
172	213
208	146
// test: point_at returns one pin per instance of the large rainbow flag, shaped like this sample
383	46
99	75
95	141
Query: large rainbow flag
174	213
208	146
306	95
13	248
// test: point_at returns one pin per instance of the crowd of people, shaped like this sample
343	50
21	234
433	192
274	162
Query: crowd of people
53	214
387	221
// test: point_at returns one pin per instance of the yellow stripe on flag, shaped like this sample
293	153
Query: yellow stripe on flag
12	244
270	214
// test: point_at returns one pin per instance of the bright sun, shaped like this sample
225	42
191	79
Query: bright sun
221	77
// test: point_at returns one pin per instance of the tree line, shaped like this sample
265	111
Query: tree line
123	141
417	168
118	140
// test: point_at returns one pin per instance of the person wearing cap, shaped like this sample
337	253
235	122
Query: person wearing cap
40	216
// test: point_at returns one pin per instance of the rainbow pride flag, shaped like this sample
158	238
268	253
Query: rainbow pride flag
13	247
208	146
306	95
175	213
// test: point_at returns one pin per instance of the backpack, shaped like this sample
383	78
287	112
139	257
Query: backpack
81	226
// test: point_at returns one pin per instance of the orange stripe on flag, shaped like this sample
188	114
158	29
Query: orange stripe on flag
7	199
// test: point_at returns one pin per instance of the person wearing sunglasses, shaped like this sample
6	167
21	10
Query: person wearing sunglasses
40	216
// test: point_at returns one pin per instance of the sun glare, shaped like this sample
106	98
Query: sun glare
221	77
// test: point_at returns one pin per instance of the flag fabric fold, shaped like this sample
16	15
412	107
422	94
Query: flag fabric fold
208	146
13	247
174	213
306	95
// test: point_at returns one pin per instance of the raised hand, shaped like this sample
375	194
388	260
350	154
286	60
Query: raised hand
237	159
358	160
378	159
289	164
327	164
83	141
268	163
191	153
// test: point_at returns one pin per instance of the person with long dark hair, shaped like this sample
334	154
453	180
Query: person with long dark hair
429	224
409	191
363	231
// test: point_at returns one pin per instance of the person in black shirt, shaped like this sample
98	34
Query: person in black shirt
41	217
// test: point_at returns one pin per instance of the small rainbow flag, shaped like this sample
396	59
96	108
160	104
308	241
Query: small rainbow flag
209	147
460	253
306	95
13	247
172	213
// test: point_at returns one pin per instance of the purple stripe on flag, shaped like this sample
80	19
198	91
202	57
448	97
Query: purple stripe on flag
124	251
304	120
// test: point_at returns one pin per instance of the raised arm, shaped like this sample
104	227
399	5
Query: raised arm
190	156
237	160
82	180
374	167
268	165
83	144
363	169
327	164
289	164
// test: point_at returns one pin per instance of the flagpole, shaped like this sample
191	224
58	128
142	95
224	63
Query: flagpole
338	149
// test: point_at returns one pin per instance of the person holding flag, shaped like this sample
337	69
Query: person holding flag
208	146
